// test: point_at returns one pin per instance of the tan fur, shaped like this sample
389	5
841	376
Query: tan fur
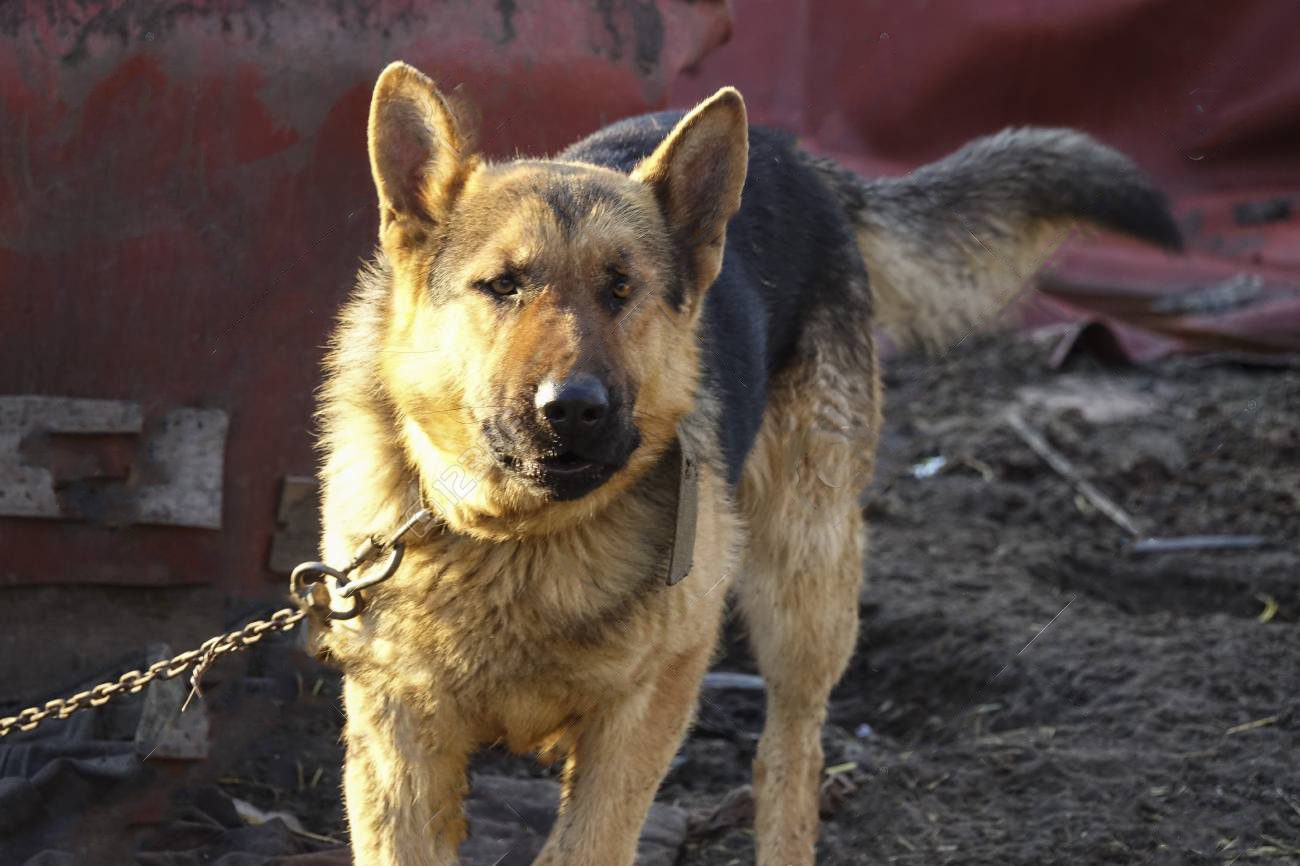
544	624
513	642
936	302
951	244
451	363
803	566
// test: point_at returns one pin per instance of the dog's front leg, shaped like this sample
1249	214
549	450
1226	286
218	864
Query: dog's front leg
616	765
404	780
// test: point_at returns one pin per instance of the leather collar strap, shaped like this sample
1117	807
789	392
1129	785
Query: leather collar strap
688	510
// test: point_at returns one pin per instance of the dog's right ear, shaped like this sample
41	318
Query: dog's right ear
419	154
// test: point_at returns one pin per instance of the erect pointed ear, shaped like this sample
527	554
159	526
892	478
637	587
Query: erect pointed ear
697	174
419	154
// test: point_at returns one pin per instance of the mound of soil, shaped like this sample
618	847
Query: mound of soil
1028	689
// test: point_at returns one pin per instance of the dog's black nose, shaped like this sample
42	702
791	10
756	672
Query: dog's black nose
575	407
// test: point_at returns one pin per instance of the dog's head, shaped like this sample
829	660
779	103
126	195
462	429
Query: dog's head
540	343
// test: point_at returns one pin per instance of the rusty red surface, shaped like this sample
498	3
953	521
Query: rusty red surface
1206	96
184	194
184	198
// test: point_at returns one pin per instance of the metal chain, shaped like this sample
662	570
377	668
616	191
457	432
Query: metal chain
166	669
307	577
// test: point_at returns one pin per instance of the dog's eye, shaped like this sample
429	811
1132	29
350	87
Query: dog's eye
503	286
620	289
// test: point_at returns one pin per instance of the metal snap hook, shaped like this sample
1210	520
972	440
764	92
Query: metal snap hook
347	590
308	577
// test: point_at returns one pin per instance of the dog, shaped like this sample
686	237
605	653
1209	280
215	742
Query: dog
662	338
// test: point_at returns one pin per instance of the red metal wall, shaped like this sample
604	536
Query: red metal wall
1205	95
184	194
184	198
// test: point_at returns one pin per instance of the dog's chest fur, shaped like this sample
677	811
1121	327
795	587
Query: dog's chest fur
522	635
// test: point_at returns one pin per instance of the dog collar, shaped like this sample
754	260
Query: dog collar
339	600
688	509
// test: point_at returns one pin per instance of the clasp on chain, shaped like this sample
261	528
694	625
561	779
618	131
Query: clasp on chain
310	581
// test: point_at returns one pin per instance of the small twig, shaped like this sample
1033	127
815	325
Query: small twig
1185	543
1251	726
1065	468
1282	847
1270	608
319	837
277	793
731	680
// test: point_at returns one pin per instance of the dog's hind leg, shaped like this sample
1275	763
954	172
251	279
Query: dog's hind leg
798	591
403	790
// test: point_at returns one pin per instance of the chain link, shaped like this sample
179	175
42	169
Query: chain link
306	577
164	669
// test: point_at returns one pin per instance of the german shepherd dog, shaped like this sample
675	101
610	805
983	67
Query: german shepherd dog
537	349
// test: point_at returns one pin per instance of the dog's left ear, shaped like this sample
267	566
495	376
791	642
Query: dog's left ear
697	174
420	154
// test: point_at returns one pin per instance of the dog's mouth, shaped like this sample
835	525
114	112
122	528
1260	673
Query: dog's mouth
561	470
564	476
568	464
569	475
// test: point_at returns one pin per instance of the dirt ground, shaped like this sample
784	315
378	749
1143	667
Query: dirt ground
1027	688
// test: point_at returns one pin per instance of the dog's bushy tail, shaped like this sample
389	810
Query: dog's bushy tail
951	244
